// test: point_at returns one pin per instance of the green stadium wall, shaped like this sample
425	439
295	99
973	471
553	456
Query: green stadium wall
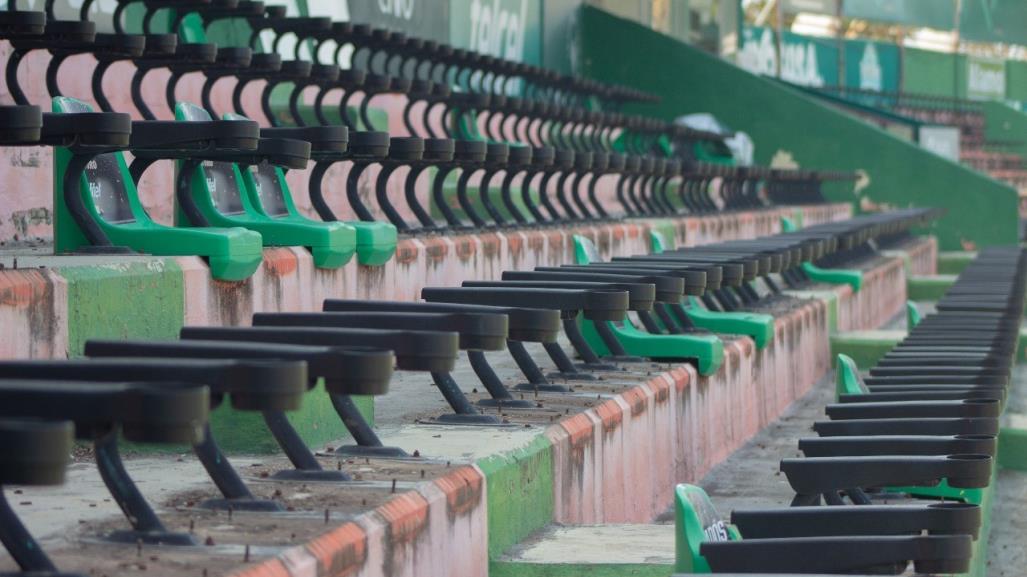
786	124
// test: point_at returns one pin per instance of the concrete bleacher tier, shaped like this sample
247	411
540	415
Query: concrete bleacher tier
657	428
57	301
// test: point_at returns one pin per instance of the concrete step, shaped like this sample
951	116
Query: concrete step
598	550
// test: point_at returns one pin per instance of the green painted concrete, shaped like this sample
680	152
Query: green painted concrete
1016	80
1012	449
929	72
864	347
928	288
953	262
120	301
520	493
244	432
513	569
145	300
789	125
1004	123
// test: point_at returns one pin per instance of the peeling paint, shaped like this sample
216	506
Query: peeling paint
279	262
340	552
25	222
463	489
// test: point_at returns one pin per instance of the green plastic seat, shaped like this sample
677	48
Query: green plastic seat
808	540
847	379
256	197
110	195
756	325
375	241
851	277
706	349
912	315
849	382
696	520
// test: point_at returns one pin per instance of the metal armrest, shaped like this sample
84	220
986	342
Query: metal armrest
478	331
862	427
640	295
898	445
828	521
531	325
888	554
348	371
251	385
820	475
966	408
431	351
596	305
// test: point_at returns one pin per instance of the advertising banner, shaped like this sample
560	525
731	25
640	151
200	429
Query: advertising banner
510	29
985	78
871	66
428	19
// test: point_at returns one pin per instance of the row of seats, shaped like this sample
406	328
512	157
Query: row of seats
902	461
546	149
232	198
614	314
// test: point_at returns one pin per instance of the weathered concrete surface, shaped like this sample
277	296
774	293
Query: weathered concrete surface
1007	555
36	305
920	254
609	544
437	529
663	429
859	311
863	310
429	527
52	514
674	414
750	478
459	444
619	462
33	314
865	347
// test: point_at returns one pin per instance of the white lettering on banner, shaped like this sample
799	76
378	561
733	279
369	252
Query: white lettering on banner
95	189
870	69
798	59
799	64
985	79
758	57
399	8
497	31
